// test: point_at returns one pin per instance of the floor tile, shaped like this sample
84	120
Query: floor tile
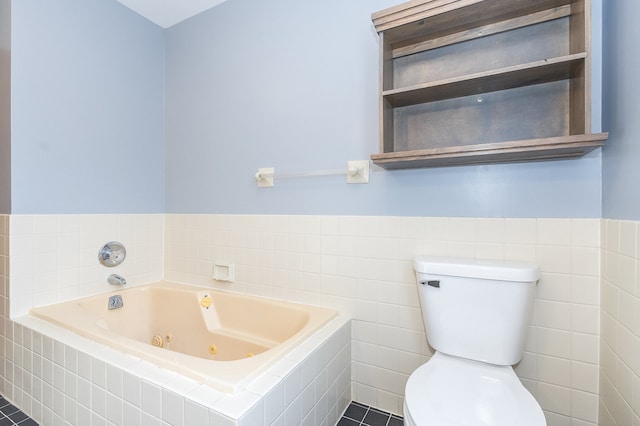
10	415
345	421
356	412
376	418
395	421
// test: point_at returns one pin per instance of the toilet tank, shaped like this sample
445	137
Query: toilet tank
476	309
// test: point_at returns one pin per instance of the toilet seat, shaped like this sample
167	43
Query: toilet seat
452	391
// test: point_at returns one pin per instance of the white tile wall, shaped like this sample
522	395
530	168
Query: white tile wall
620	321
55	257
359	265
362	266
4	277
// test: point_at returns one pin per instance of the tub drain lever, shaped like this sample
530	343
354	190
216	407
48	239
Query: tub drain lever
115	302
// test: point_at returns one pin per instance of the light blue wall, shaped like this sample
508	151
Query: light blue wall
293	85
621	105
87	108
5	106
249	84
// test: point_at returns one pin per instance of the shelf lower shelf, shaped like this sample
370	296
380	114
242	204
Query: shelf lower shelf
556	148
543	71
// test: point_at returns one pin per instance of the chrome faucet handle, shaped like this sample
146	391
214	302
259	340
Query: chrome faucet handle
115	279
112	254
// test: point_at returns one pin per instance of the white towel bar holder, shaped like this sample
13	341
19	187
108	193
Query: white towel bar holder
356	172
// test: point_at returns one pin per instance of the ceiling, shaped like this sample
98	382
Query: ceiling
169	12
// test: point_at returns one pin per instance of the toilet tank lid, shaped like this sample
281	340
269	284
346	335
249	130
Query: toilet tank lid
477	268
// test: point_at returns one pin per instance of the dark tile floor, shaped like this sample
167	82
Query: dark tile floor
10	415
358	414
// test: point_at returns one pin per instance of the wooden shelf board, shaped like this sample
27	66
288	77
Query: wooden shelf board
405	22
561	147
483	31
543	71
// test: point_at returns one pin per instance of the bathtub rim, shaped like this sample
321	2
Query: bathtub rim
232	381
230	407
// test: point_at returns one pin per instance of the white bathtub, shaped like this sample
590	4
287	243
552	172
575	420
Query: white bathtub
221	339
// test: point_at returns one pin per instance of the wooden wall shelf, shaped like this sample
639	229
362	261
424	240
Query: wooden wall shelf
499	152
440	60
489	81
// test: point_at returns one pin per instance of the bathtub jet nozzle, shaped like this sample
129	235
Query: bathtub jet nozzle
115	279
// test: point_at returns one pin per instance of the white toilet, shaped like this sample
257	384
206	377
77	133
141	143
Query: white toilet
476	315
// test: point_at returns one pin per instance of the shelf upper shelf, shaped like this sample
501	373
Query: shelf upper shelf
543	71
561	147
405	22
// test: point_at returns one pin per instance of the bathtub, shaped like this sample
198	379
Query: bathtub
220	339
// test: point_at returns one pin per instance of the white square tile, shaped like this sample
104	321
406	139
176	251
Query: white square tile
554	232
556	399
217	419
172	408
585	232
554	342
556	287
585	290
70	359
204	395
628	234
585	319
195	414
554	259
70	384
98	373
132	415
435	228
83	416
490	230
585	261
84	392
58	402
234	407
462	229
84	365
151	399
584	347
292	386
520	252
626	274
98	400
114	380
292	414
114	409
554	370
274	403
149	420
555	315
612	236
131	392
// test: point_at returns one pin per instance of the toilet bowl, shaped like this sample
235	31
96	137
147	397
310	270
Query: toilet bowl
449	391
476	314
